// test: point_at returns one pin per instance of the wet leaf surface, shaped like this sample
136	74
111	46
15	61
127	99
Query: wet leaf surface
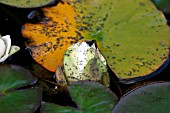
133	38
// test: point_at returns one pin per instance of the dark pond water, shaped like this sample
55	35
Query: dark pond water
11	21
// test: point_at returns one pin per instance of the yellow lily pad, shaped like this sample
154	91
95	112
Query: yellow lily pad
133	36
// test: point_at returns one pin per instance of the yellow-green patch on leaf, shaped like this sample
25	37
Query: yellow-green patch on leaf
132	35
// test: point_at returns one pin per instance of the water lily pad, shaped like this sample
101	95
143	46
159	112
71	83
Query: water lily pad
133	36
13	77
89	96
54	108
48	40
13	99
27	3
20	101
163	5
151	98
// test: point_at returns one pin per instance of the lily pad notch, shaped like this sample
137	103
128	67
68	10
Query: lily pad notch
89	96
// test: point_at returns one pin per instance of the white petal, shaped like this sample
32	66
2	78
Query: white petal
9	50
4	58
2	47
7	41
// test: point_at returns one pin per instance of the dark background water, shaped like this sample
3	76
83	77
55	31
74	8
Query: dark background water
11	21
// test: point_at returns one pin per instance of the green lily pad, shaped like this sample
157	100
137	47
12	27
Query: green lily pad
27	3
90	97
132	35
20	101
48	107
152	98
17	100
163	5
13	77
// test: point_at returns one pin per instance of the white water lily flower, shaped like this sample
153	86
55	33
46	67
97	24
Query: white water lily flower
6	49
83	61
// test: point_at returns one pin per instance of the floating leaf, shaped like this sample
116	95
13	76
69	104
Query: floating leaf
133	36
163	5
20	101
90	97
151	98
49	40
13	77
54	108
13	99
27	3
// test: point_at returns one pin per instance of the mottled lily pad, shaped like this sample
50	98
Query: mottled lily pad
151	98
90	97
132	35
27	3
13	97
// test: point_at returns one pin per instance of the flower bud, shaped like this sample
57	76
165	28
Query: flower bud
83	61
6	49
